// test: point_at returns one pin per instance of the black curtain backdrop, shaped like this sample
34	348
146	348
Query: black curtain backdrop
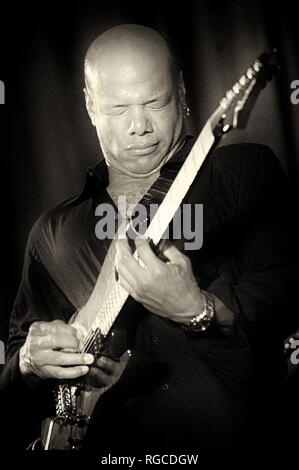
50	141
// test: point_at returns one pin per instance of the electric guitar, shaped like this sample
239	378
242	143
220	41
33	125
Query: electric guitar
75	400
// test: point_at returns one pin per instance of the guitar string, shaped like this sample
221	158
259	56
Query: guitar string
89	339
91	336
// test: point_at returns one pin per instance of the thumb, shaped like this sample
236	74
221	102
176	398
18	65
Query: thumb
126	356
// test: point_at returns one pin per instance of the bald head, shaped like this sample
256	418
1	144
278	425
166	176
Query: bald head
135	99
127	46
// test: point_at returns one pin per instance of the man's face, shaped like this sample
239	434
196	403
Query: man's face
136	108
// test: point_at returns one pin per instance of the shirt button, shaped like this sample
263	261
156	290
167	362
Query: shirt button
155	339
165	387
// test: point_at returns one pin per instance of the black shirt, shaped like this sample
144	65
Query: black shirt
197	384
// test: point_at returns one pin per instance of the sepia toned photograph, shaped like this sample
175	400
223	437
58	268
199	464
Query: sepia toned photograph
150	158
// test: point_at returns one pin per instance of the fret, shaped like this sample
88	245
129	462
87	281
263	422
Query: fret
111	308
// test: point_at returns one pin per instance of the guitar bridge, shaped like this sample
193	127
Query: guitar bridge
64	432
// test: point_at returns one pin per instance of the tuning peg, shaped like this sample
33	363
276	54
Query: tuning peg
243	80
226	128
223	103
257	65
221	129
250	73
237	88
230	95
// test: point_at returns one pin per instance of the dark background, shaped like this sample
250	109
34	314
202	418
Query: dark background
47	141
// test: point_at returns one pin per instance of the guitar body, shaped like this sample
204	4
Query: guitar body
67	432
76	400
60	434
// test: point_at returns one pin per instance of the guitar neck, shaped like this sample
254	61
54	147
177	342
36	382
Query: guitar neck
184	178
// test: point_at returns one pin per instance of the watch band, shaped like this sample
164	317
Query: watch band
202	320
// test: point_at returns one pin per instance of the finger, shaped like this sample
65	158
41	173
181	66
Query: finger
60	341
122	247
81	333
57	326
146	255
130	289
130	270
126	274
62	327
38	328
55	372
55	358
99	377
124	257
126	356
174	255
136	290
106	364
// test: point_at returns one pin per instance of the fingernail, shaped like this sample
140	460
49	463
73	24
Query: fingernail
88	358
84	369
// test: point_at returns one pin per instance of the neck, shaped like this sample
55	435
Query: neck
124	185
121	182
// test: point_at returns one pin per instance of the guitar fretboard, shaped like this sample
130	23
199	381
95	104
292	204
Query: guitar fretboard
113	304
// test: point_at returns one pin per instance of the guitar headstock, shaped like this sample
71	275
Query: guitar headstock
239	100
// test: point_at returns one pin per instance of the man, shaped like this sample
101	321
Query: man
199	389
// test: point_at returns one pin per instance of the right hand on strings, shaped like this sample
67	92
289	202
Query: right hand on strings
52	351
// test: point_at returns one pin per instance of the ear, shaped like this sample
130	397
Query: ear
89	105
181	88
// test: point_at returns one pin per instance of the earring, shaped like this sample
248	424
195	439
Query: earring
186	110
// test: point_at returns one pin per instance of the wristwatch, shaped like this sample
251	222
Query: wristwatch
202	320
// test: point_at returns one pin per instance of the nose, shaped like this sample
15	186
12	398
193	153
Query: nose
140	123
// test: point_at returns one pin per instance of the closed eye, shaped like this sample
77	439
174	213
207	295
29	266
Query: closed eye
117	110
159	104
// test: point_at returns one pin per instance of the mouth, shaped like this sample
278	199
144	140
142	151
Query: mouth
142	149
